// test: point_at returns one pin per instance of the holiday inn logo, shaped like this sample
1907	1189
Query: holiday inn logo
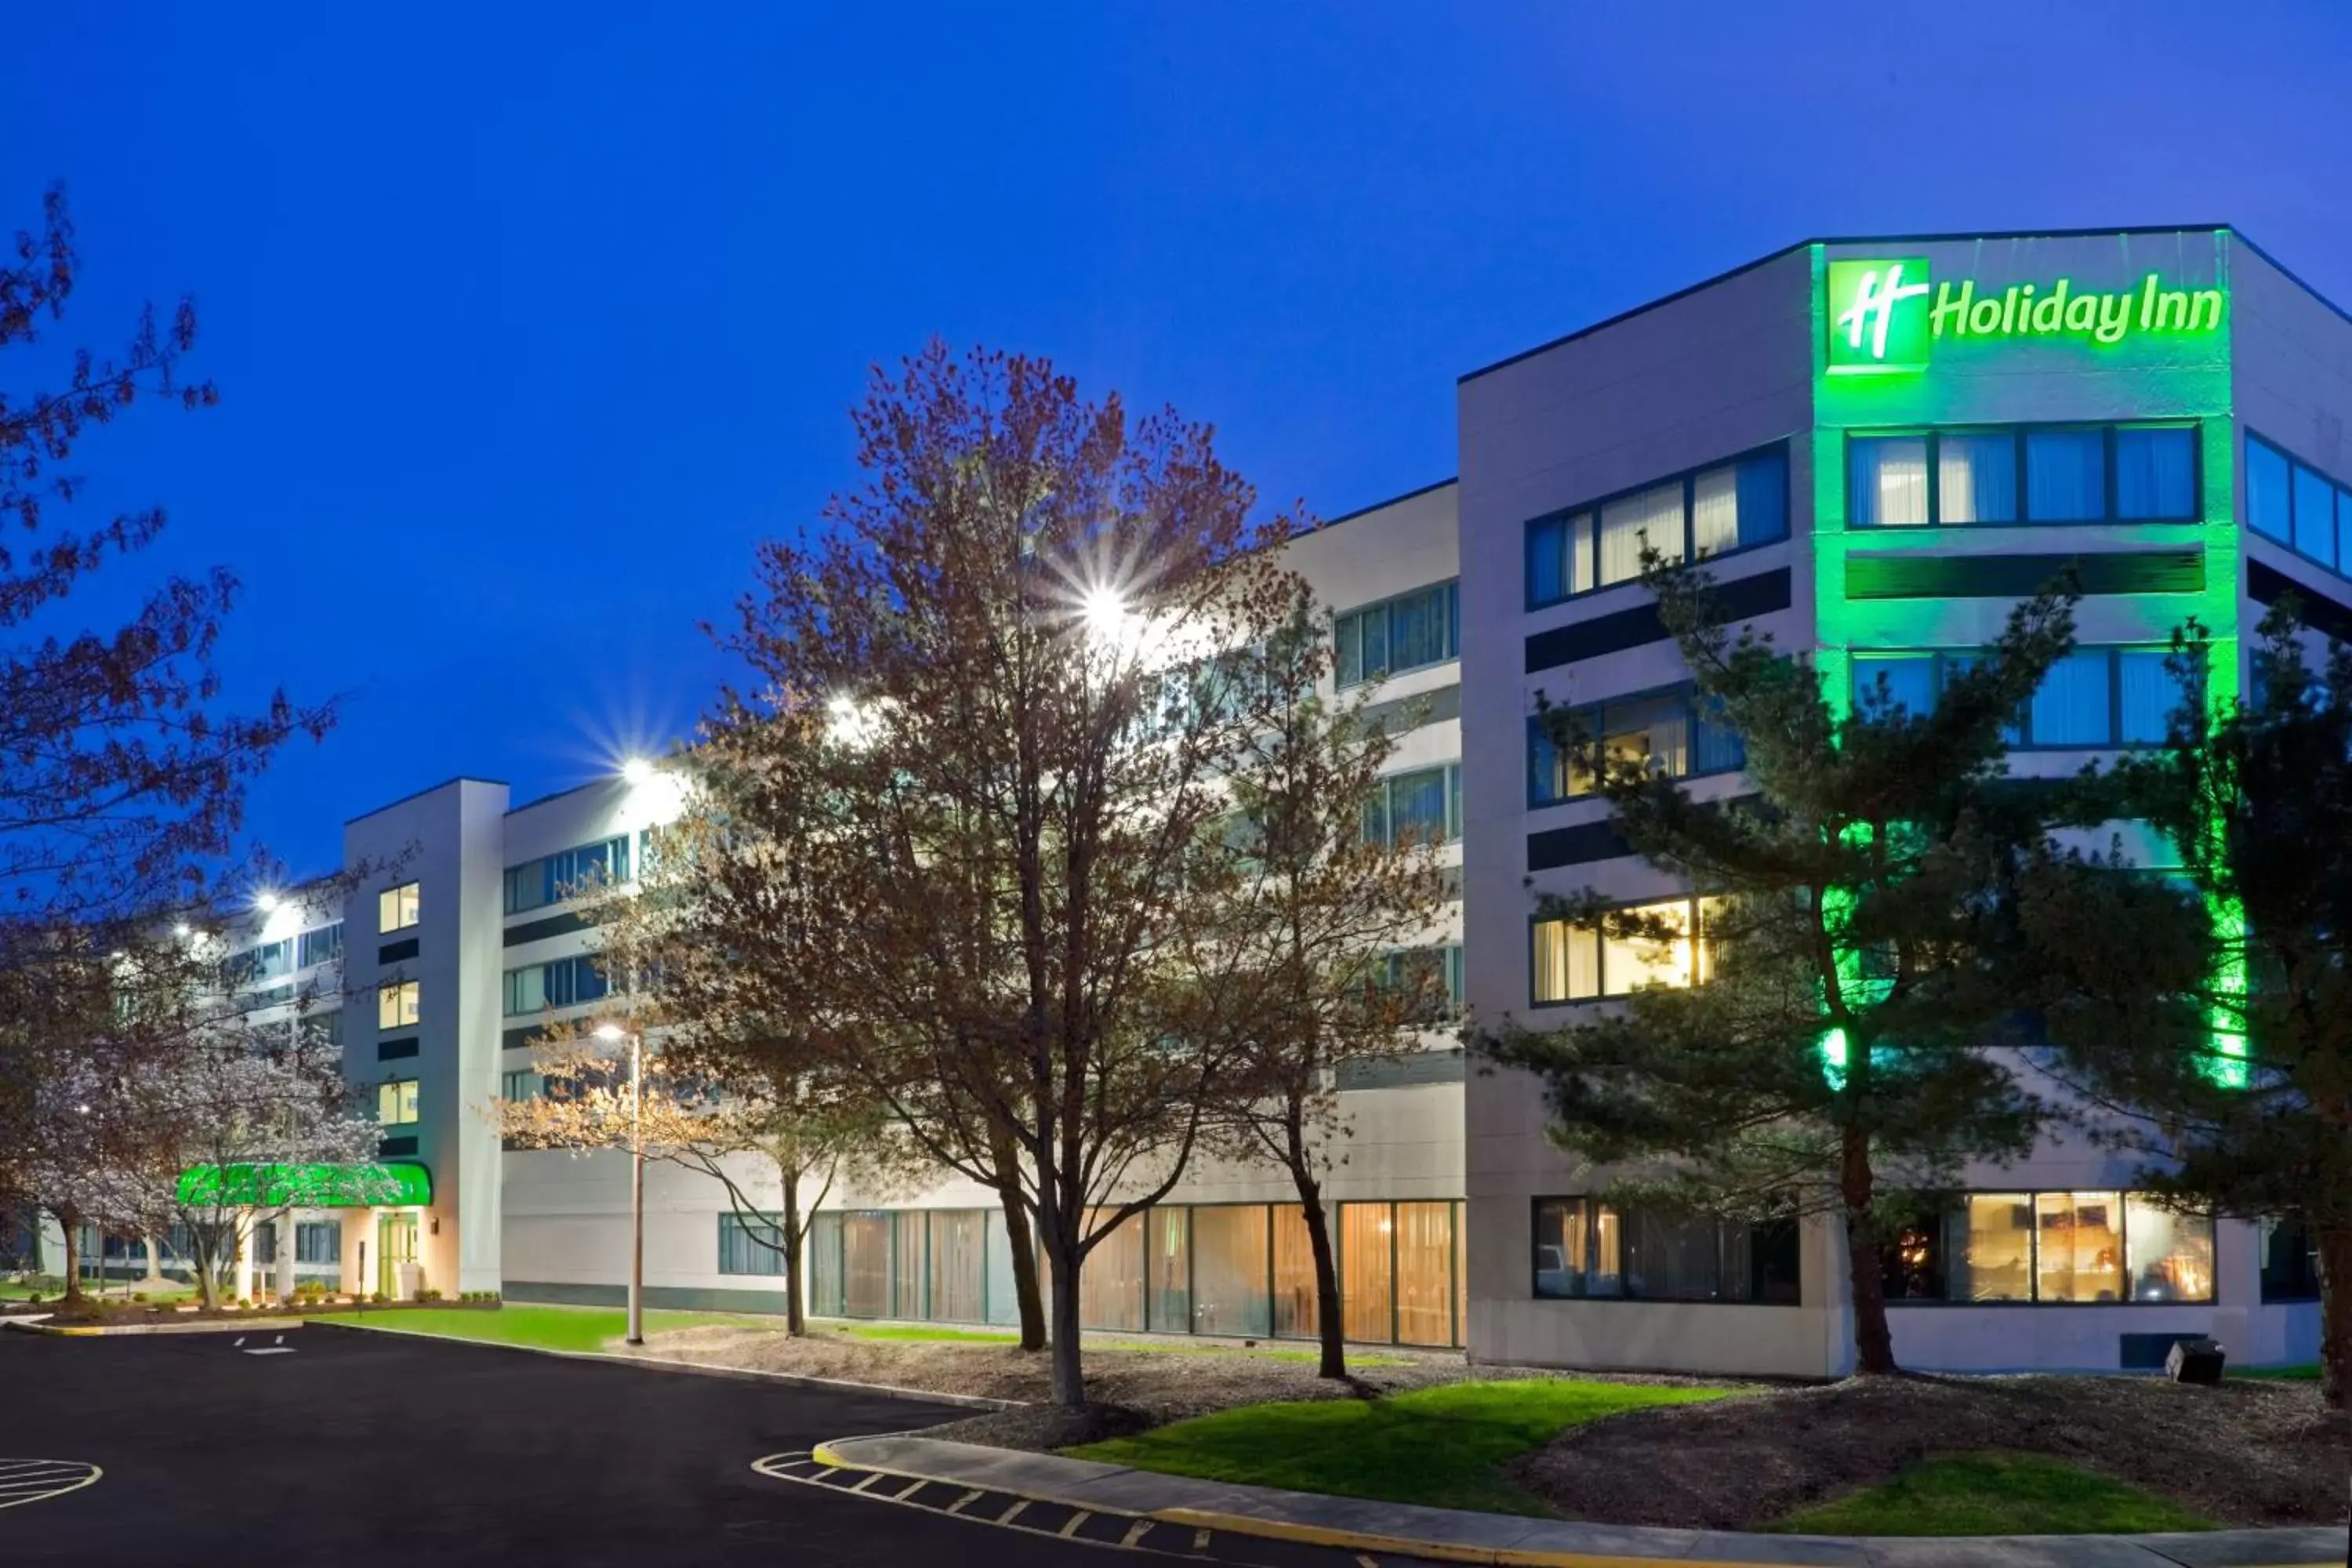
1886	316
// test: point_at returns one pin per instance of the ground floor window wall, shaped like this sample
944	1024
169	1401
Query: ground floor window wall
1239	1269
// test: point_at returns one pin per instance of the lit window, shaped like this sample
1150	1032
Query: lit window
396	1102
1412	631
2067	1247
396	908
395	1006
1573	965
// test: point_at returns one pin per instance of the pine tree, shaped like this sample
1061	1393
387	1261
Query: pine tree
1856	955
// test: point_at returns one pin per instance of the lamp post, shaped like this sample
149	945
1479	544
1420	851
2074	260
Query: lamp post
611	1033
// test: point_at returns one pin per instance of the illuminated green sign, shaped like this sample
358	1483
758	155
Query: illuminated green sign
1886	315
396	1184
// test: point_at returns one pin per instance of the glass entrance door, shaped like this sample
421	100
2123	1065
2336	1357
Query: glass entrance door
395	1244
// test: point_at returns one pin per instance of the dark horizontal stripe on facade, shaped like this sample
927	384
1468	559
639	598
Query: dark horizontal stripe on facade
396	952
2266	586
1589	841
1743	598
539	930
1917	574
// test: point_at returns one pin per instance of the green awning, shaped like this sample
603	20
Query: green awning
392	1183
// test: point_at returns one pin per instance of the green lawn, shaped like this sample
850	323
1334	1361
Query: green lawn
900	1333
1440	1447
545	1328
1994	1494
924	1333
2307	1373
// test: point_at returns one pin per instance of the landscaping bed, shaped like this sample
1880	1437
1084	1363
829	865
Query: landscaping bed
2250	1452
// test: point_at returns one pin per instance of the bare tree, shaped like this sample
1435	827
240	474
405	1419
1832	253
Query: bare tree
1014	622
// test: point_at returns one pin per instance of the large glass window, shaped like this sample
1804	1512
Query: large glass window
1411	631
1710	511
2070	1246
1586	1248
2128	473
2290	1262
2092	697
1425	803
2297	505
1171	1265
865	1265
1671	731
1295	1315
2270	497
909	1281
322	945
1111	1290
395	1103
1439	969
1229	1262
959	1256
825	1297
319	1241
1367	1248
559	982
2314	516
756	1247
396	1005
1424	1273
1578	966
567	874
396	908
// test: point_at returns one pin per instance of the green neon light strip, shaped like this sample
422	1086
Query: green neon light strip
399	1184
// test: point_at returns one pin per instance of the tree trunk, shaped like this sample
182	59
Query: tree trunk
1873	1340
795	1321
1069	1376
1329	1328
206	1241
72	1230
2336	1318
1020	1240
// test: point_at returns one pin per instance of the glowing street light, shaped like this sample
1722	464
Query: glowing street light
613	1034
1105	611
267	903
182	930
639	769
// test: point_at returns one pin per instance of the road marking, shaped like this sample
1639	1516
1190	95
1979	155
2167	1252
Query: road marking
1135	1531
1200	1541
1010	1514
272	1350
1076	1520
871	1476
965	1501
1365	1560
911	1489
37	1480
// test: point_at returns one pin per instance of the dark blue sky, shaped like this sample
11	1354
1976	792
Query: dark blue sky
530	319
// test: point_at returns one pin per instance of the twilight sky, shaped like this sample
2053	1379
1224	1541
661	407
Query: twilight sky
529	319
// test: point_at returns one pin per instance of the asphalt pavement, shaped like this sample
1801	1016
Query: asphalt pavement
359	1449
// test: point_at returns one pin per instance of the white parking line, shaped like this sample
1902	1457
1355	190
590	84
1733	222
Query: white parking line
37	1480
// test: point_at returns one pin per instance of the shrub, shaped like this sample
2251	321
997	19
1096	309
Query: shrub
428	1295
138	1295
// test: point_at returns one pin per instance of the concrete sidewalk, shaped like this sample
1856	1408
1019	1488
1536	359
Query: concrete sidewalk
1451	1535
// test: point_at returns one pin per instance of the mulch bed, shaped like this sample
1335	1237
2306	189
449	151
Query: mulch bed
2249	1452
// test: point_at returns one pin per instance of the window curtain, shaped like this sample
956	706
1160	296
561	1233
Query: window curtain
1365	1283
2155	473
1567	962
1716	747
1110	1285
1229	1270
1170	1236
1764	498
2314	515
1417	630
1547	764
1889	481
1547	561
1630	965
1656	729
958	1265
1976	478
1715	512
2266	492
2079	1251
2169	1255
866	1246
2149	696
1417	806
1294	1275
2071	707
1909	679
2065	476
1654	516
1424	1273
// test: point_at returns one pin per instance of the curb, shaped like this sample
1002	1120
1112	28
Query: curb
110	1330
705	1369
2244	1548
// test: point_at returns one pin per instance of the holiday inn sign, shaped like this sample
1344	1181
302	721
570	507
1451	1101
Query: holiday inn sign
1887	316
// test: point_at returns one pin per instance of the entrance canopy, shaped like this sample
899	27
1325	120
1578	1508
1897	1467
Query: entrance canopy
394	1183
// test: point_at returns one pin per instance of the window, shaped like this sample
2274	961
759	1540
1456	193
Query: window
270	961
561	982
1711	512
566	874
396	1005
319	1241
2270	499
396	1102
2127	473
1578	965
2095	697
322	945
1671	731
753	1249
1423	804
2290	1262
396	908
521	1084
327	1025
1589	1249
1441	965
1410	632
2298	506
2066	1248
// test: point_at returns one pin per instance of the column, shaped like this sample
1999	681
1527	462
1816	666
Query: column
155	1259
285	1257
241	1281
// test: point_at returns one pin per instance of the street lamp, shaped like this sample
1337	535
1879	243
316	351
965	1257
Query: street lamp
638	771
613	1034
